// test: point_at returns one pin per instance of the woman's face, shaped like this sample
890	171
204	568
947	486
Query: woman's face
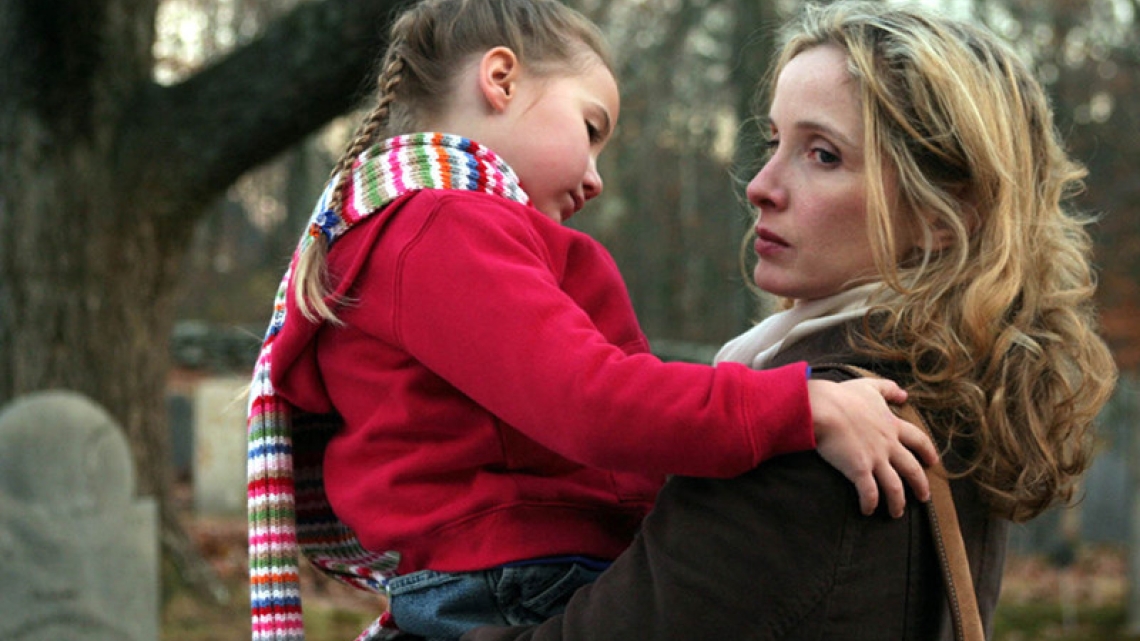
812	238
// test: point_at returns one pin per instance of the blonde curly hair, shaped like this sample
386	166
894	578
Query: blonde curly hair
998	322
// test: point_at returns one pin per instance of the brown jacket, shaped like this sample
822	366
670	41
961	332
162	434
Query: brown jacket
779	553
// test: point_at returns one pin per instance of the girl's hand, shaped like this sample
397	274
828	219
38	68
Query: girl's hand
856	432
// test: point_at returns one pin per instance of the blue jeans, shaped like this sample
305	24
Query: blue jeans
442	606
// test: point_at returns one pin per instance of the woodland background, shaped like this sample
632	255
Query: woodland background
158	159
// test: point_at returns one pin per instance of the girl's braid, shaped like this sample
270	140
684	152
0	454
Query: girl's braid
389	79
309	289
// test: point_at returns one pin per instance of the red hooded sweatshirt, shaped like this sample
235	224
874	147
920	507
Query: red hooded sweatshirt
499	399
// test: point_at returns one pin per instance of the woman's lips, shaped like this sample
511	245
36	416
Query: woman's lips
768	243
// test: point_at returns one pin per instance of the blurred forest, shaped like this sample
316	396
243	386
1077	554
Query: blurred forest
158	159
672	212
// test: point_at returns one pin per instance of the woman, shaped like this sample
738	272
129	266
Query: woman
911	213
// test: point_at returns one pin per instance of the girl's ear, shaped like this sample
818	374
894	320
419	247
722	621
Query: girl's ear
499	72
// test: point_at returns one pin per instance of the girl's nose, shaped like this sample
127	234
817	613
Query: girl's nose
592	184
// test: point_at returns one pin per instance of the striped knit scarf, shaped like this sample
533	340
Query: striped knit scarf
288	509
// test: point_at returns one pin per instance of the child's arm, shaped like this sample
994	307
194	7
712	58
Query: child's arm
857	433
539	332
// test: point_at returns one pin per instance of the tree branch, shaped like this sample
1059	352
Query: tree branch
190	141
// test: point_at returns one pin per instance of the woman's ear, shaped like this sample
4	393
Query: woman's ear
928	235
499	72
946	234
942	237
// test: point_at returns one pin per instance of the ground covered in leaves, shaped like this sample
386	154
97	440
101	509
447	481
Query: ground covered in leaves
1084	601
332	611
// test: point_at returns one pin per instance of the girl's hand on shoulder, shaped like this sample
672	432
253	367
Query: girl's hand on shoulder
856	432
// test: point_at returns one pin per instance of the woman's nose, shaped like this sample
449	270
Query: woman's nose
764	190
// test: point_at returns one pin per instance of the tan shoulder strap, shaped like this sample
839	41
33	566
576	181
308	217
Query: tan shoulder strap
951	548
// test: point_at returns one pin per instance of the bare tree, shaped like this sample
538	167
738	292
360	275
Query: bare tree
104	173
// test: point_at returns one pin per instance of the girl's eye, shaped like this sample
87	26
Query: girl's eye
593	132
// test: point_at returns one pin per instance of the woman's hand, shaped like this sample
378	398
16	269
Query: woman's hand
856	432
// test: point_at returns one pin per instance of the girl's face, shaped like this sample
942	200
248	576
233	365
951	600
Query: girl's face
812	238
559	126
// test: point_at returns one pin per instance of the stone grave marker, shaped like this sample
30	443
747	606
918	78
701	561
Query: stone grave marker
220	446
78	549
180	415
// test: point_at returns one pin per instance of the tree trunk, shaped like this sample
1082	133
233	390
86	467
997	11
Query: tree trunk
103	175
86	280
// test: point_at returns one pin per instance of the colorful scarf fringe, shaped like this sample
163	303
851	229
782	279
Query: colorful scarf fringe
288	509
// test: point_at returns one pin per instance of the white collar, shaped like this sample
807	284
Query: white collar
757	346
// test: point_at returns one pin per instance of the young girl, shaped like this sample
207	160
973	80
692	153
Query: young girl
498	426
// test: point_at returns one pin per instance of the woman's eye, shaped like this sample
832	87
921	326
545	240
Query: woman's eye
824	156
768	147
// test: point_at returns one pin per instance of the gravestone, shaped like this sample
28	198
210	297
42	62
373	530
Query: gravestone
220	446
78	550
180	416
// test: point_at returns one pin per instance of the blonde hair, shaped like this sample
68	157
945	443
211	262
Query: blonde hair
428	44
998	325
